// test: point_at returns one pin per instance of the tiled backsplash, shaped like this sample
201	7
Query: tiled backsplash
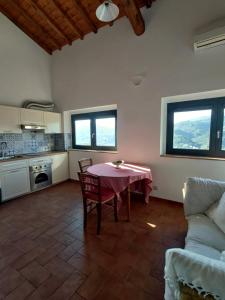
32	142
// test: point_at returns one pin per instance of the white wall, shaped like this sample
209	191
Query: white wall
25	68
98	71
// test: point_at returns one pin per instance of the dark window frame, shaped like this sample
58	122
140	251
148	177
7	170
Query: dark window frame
92	117
217	105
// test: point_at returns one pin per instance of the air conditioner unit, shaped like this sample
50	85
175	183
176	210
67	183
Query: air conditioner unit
212	38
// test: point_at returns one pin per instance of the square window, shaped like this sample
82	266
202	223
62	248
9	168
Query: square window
95	131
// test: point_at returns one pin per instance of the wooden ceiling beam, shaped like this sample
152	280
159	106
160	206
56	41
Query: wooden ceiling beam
50	21
25	30
38	26
69	20
85	15
134	15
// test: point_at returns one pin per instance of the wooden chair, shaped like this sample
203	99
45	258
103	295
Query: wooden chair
84	163
92	192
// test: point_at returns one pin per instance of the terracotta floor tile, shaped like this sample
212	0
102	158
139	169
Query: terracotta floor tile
94	284
10	257
69	287
70	250
35	273
59	268
9	280
21	292
77	297
25	259
49	286
25	244
84	264
50	253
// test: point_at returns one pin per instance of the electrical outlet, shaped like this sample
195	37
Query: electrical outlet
155	188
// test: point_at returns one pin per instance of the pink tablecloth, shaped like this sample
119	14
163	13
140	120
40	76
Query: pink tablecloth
119	179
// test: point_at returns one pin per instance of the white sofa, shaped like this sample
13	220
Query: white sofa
199	265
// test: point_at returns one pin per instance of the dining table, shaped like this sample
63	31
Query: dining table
123	178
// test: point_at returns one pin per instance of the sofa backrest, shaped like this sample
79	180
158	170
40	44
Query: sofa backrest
200	194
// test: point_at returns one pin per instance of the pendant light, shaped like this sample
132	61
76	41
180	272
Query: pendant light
107	11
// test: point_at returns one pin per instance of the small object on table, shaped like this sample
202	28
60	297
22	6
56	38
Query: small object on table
118	163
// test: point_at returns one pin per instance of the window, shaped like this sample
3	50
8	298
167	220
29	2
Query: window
95	131
196	128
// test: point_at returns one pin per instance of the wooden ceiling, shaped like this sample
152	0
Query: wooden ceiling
53	24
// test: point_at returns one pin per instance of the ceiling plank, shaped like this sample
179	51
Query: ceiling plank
34	37
50	21
134	15
69	20
85	15
38	26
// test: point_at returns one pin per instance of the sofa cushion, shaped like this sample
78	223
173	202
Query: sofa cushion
216	213
202	249
200	194
202	230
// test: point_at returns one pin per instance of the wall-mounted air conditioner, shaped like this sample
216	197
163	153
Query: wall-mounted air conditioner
209	39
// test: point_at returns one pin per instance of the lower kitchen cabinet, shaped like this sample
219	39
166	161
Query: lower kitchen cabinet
14	182
15	177
60	167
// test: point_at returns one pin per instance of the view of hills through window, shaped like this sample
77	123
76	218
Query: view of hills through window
192	130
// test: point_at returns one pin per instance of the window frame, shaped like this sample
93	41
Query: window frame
217	105
92	116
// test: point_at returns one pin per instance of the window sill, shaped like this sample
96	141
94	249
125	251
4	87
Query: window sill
192	157
97	151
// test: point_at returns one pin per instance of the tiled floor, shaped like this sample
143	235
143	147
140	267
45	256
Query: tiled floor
44	253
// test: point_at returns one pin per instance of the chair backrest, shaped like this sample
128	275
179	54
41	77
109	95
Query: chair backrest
90	184
84	163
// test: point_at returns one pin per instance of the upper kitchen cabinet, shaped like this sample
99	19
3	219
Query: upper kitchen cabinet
53	122
32	116
9	120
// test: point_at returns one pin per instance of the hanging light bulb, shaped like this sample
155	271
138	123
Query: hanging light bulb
107	11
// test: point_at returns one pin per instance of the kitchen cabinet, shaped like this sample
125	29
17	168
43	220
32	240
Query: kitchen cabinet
60	167
31	116
53	122
9	119
14	180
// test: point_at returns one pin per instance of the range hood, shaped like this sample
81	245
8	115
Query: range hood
32	127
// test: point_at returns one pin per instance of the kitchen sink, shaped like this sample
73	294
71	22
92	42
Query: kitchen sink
10	157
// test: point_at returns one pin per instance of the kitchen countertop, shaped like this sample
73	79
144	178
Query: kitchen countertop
31	156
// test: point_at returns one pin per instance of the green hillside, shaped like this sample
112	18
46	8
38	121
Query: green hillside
193	134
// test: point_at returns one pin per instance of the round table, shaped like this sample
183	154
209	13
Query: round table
119	179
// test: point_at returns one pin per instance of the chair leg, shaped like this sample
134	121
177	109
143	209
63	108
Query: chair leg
115	208
85	212
99	216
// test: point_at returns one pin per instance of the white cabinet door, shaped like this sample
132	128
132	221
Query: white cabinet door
32	116
9	120
14	183
60	168
53	122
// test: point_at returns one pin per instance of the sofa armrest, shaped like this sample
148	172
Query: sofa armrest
205	275
200	194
